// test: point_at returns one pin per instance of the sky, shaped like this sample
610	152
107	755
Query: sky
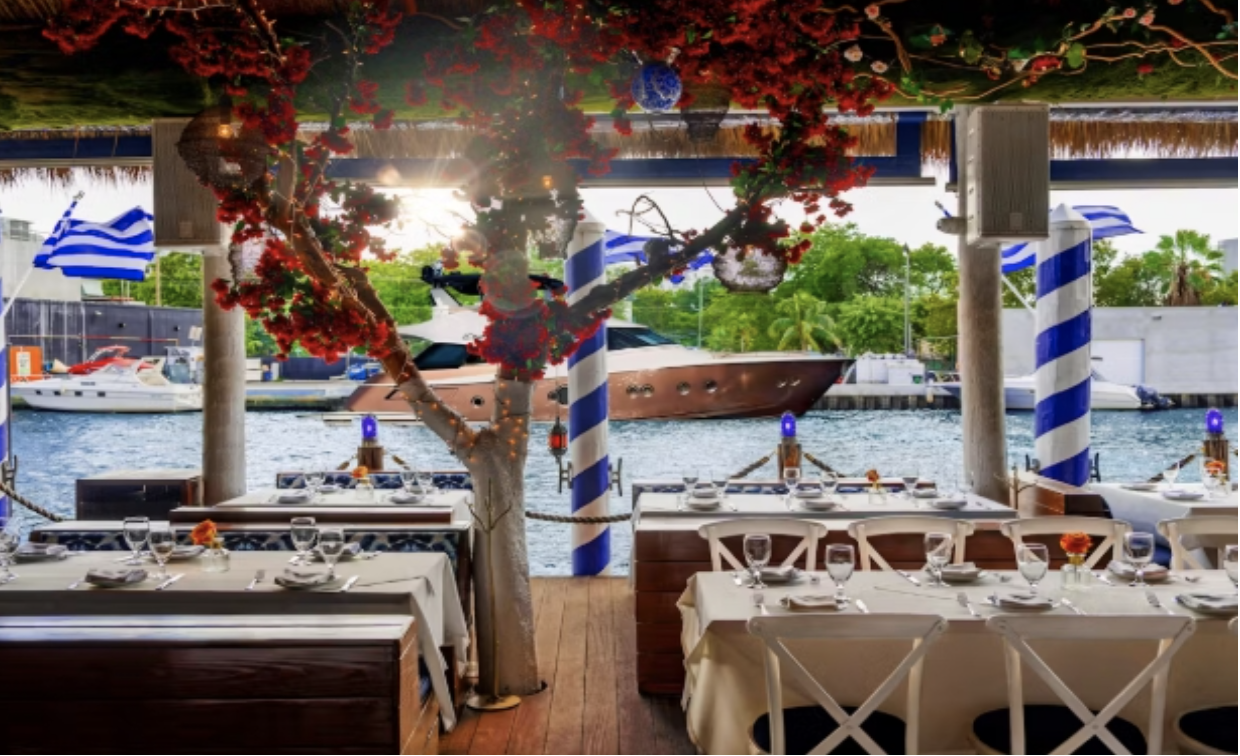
906	214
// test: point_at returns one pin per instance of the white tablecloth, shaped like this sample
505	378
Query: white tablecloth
1145	509
853	507
421	585
269	497
963	674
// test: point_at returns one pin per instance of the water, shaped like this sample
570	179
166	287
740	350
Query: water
56	449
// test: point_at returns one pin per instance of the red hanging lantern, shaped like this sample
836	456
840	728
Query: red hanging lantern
557	439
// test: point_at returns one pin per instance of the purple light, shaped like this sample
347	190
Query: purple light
370	428
1214	421
788	426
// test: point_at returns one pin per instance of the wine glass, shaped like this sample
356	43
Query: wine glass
757	556
841	559
938	552
10	539
1138	551
331	546
910	481
830	484
1231	555
719	479
304	532
163	541
1033	560
135	531
426	482
1170	475
408	478
314	480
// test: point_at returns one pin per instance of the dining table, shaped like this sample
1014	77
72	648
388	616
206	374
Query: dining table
844	506
1144	505
420	585
964	673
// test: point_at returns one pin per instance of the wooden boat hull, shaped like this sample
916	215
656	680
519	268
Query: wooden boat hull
707	390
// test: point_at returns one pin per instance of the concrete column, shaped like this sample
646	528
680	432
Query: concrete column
223	400
980	345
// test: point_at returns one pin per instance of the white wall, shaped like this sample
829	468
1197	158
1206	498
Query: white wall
1188	350
1228	246
16	256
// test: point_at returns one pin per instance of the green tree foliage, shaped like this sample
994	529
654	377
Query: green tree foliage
804	325
179	282
1188	264
872	324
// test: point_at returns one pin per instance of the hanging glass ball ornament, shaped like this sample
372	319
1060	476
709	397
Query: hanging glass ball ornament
656	88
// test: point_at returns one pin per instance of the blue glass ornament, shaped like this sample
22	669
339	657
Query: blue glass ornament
788	426
370	428
1214	421
656	88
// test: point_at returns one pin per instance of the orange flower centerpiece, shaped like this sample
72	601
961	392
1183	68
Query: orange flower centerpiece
1076	545
207	535
878	494
361	476
874	478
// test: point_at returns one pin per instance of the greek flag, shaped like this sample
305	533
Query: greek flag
623	248
1104	220
120	248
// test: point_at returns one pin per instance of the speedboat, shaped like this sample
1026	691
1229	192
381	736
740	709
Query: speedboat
1020	393
102	357
135	387
649	376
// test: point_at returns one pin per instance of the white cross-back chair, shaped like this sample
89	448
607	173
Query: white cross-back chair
808	531
1110	531
1064	729
920	629
863	530
1211	730
1206	525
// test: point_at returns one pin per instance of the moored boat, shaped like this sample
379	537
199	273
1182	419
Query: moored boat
114	388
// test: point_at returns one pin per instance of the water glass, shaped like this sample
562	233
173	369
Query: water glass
719	479
10	539
938	554
331	546
426	482
163	541
792	476
314	480
135	531
841	560
910	482
1138	551
830	484
408	478
304	533
1171	474
1034	560
757	555
1230	556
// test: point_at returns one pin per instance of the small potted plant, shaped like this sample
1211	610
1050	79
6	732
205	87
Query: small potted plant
207	535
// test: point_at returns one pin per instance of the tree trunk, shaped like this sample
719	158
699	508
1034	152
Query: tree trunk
497	465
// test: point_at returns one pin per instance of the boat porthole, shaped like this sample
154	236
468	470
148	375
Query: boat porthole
57	393
795	382
647	391
102	393
632	390
77	393
477	401
683	388
711	387
38	392
782	384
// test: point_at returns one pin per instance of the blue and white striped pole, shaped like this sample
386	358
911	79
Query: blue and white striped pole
587	408
1065	296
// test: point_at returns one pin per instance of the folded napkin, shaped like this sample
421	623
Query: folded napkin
779	574
295	496
1140	486
961	573
1183	495
114	577
1209	603
33	552
329	488
950	502
181	553
404	497
1023	601
1154	572
819	502
292	578
813	602
696	502
848	489
351	551
925	493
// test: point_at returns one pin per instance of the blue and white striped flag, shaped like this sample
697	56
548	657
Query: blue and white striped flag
118	249
1104	221
622	248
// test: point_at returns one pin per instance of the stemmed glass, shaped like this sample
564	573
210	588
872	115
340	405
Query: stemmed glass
792	477
135	532
1231	555
331	546
1170	475
938	552
314	481
910	481
163	542
841	560
1138	551
407	479
830	484
1033	560
757	555
10	539
719	480
426	481
303	532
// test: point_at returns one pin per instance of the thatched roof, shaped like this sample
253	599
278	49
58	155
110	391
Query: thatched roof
40	10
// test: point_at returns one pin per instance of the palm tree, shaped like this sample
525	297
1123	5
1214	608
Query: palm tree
1188	264
805	324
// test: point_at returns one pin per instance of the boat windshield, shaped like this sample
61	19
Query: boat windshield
445	357
634	338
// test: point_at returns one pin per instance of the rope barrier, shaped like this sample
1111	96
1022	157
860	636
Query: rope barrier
820	465
570	519
15	496
745	471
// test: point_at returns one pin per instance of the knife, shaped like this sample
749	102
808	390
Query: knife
348	584
861	607
169	581
908	577
963	599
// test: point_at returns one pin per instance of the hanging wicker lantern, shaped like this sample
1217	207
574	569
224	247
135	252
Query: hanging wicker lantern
748	269
244	258
221	152
706	110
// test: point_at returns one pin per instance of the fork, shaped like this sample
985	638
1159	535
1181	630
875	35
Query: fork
1154	602
963	600
1075	609
258	578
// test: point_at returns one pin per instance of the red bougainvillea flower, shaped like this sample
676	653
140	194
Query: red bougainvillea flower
1145	69
1130	13
871	11
1147	18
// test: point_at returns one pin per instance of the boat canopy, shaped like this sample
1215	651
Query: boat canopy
463	325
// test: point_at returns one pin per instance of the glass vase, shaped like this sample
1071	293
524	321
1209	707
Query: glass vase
1075	575
878	496
216	559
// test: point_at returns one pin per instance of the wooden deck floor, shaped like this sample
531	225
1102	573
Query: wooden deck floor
587	655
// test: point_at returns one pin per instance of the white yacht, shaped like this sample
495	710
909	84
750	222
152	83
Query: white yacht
1020	393
112	388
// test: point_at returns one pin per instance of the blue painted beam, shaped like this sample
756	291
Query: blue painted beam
94	148
1147	173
